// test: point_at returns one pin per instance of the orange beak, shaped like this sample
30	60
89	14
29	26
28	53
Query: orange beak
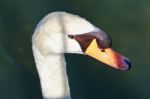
108	56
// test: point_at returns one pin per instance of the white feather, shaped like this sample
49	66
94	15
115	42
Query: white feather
50	41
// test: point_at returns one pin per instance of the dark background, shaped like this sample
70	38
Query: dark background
127	22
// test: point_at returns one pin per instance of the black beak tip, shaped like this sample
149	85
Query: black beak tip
128	63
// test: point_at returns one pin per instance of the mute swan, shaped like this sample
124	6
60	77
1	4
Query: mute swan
61	32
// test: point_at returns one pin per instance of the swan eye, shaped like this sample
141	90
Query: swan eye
71	36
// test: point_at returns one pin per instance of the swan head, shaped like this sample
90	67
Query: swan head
61	32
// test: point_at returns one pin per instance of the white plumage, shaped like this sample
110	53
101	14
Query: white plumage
49	42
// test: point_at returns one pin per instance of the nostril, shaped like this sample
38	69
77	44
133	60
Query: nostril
128	63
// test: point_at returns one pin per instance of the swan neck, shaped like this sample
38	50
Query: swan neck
53	75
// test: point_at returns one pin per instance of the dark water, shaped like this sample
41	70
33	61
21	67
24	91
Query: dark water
127	22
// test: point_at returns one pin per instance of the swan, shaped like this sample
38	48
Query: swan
61	32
